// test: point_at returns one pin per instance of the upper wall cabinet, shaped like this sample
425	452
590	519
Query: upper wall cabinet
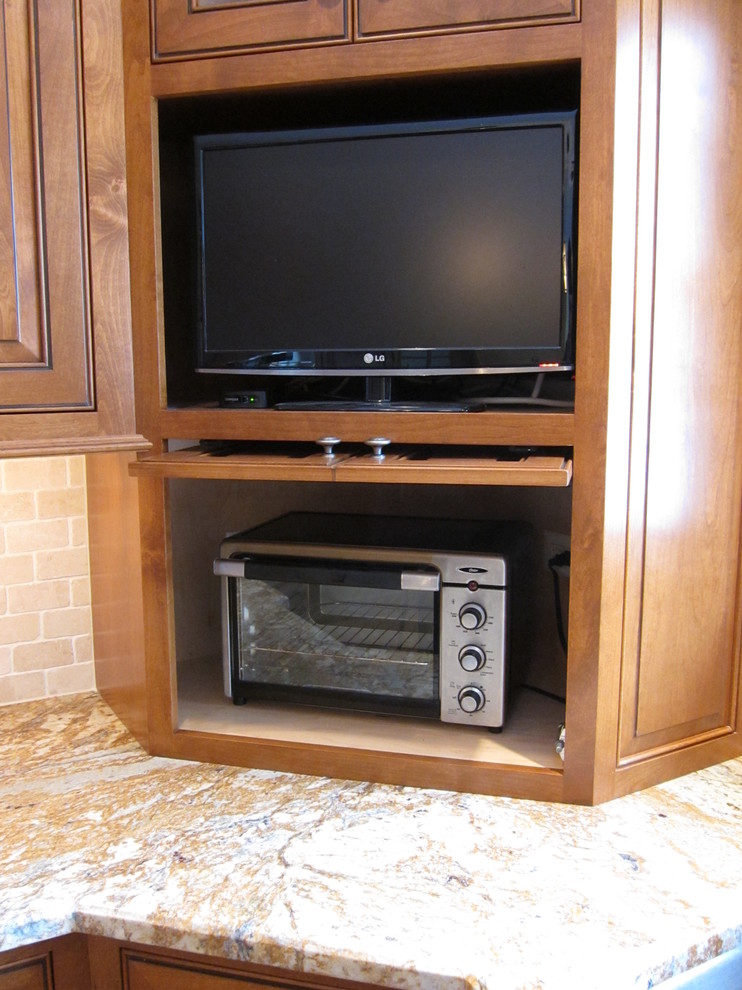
65	353
377	18
207	27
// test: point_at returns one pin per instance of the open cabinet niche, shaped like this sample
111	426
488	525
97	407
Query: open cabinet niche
203	512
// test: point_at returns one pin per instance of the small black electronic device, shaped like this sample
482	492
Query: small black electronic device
245	399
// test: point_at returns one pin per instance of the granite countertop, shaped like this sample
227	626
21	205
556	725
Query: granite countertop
399	886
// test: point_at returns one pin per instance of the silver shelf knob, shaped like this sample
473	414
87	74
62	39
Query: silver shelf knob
377	445
327	443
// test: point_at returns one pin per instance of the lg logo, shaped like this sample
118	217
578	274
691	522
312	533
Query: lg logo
369	358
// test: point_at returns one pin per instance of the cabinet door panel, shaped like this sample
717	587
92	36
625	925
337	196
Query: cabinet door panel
145	971
55	964
211	27
45	354
31	974
681	649
382	17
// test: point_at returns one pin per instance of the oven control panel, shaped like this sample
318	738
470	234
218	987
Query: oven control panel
472	654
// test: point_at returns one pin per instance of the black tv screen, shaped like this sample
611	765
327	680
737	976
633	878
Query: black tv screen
426	248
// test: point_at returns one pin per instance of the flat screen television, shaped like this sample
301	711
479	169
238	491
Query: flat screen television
432	248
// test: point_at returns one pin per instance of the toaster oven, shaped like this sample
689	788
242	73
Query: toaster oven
390	615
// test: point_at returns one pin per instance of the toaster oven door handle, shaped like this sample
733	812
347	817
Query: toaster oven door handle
420	581
314	572
229	568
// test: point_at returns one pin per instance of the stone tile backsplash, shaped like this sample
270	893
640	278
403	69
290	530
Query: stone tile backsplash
46	643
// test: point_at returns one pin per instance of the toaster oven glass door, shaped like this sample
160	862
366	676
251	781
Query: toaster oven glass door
320	633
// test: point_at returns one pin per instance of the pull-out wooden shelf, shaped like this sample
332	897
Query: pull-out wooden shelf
406	465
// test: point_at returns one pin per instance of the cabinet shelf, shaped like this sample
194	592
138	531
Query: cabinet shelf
528	740
412	465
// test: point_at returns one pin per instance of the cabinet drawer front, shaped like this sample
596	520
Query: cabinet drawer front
212	27
387	17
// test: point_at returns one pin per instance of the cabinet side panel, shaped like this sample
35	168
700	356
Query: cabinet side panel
680	651
116	588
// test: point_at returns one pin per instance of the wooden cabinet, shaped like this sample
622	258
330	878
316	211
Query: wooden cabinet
652	676
116	965
386	18
60	963
65	330
207	27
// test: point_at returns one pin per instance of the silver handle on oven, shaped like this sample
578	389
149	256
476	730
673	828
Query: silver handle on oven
416	581
229	568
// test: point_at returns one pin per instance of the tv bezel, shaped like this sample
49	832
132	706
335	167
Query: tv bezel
368	361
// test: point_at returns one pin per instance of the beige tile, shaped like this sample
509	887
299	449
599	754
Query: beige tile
60	503
79	532
67	622
80	590
23	537
76	471
29	474
23	628
70	680
17	507
22	687
83	648
16	569
42	655
39	596
61	563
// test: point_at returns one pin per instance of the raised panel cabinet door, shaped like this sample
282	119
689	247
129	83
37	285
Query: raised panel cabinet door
192	28
375	18
28	974
45	325
55	964
160	974
681	650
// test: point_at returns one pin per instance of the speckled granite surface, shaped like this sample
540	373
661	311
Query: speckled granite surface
403	887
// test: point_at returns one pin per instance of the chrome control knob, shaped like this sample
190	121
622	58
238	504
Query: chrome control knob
471	699
472	616
472	658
